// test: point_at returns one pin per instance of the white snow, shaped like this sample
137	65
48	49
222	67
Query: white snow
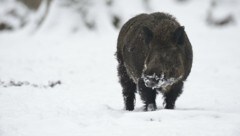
89	102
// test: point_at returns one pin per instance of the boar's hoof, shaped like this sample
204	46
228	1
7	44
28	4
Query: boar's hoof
168	106
151	107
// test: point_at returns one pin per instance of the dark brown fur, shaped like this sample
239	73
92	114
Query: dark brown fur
151	44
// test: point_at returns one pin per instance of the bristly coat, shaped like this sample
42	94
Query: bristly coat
154	54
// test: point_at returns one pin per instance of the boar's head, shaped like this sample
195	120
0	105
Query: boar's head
164	63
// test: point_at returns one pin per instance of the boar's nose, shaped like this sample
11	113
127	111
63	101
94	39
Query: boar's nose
150	81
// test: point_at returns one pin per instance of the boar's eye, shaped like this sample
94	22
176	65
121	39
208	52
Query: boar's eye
179	35
148	35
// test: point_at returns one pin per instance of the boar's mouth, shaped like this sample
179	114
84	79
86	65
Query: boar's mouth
156	82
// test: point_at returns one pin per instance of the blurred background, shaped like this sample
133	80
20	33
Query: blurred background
98	15
58	71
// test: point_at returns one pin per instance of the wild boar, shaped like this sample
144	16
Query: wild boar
154	55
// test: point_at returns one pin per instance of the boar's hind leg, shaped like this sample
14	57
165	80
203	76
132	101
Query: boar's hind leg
129	87
148	95
171	96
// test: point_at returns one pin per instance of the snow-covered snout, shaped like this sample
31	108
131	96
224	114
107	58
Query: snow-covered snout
155	81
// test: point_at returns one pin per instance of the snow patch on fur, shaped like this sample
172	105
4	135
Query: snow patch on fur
162	82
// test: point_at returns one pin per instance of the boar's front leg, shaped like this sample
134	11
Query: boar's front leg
171	96
129	87
148	95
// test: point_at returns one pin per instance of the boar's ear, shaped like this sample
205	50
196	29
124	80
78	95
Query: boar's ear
148	34
179	35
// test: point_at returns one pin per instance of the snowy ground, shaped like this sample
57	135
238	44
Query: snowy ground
89	101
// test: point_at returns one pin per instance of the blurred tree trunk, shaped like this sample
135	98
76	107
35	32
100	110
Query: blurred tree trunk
32	4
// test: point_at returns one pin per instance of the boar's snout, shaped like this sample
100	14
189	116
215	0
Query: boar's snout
155	81
150	81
